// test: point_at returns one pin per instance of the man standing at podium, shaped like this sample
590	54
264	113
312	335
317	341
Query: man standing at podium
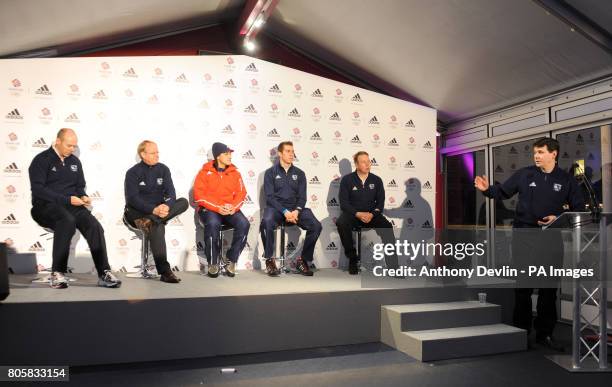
543	191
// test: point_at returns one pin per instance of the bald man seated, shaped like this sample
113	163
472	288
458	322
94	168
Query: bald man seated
151	203
59	202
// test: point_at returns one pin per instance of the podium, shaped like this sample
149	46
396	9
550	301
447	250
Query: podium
596	357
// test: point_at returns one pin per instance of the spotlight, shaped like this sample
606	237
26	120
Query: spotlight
250	46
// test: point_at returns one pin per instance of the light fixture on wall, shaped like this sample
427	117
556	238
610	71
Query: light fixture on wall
255	16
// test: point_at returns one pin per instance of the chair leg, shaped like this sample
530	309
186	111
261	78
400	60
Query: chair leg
359	248
282	247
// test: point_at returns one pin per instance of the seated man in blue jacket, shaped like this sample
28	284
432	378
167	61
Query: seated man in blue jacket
362	200
59	202
285	191
151	202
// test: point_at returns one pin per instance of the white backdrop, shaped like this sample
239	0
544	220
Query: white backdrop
187	103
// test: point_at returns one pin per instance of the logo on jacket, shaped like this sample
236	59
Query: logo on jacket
142	183
557	187
533	184
294	177
371	186
278	177
54	169
160	180
74	168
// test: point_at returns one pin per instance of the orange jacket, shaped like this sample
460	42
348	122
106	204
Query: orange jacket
212	189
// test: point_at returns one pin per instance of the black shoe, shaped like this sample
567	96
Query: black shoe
550	343
169	277
230	269
213	271
302	268
271	268
353	267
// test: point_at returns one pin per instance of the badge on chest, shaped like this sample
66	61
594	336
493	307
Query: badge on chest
160	180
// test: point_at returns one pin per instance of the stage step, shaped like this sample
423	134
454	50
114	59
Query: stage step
447	330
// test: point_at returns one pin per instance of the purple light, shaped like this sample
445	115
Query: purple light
468	163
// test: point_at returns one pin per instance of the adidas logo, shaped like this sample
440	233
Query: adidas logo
10	220
565	155
331	247
228	130
40	143
356	98
333	160
248	200
291	246
579	139
248	155
130	73
294	113
373	162
393	142
333	203
36	247
96	196
408	204
153	99
250	109
513	151
74	88
409	164
590	157
43	90
499	169
426	224
314	180
275	89
230	84
199	246
316	137
392	184
355	140
427	185
14	115
72	118
99	95
12	168
181	78
409	124
273	133
427	145
317	93
176	222
373	121
251	67
335	117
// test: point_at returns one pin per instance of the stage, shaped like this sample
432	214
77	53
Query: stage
147	320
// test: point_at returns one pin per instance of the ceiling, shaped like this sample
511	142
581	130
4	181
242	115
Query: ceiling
462	57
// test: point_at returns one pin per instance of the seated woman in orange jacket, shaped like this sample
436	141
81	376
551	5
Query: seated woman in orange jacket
219	192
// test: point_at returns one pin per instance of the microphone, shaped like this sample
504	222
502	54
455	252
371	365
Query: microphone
578	167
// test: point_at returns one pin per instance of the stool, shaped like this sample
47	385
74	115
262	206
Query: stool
224	227
47	279
282	226
144	254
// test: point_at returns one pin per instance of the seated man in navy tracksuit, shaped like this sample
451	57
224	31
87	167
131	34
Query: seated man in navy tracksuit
151	202
362	200
285	190
543	190
59	202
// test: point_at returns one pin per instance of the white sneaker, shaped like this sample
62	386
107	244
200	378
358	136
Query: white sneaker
108	280
57	280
